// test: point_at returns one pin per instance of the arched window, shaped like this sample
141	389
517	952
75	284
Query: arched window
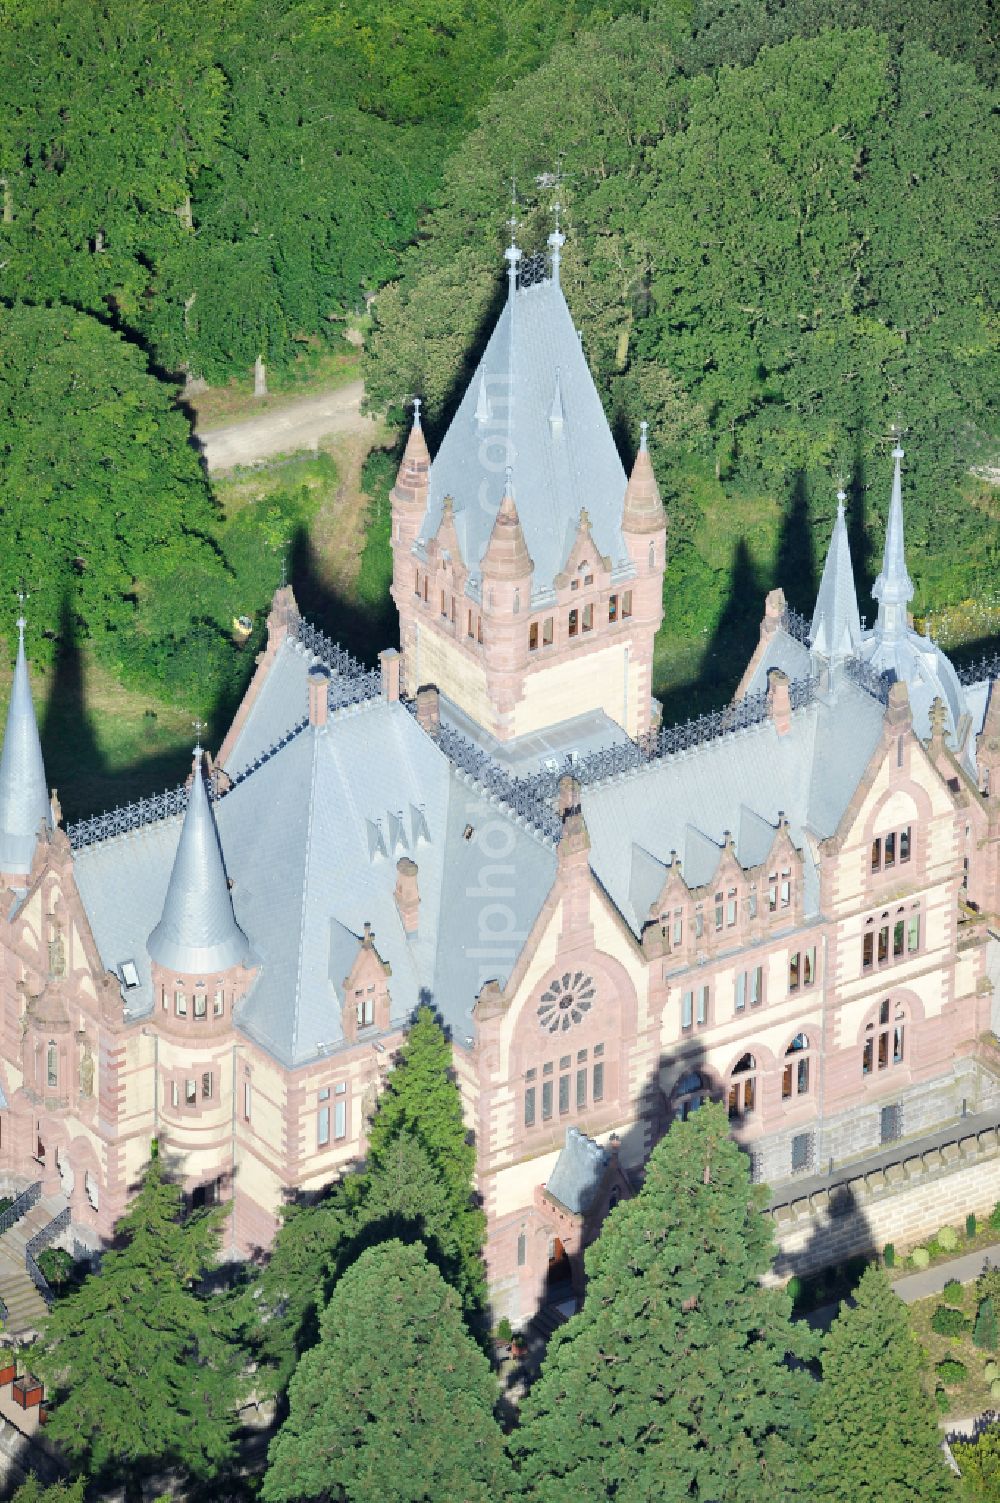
517	601
795	1075
885	1039
690	1092
52	1066
743	1088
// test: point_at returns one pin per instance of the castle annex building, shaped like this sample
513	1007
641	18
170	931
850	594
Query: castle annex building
784	905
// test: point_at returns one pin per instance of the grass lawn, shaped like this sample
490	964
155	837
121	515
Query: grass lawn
971	1395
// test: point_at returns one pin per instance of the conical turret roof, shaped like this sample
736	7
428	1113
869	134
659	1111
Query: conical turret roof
507	555
643	509
836	623
24	799
198	932
414	476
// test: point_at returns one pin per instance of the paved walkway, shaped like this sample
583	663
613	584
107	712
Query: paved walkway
25	1307
286	430
914	1286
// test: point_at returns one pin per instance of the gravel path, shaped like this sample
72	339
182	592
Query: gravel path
286	430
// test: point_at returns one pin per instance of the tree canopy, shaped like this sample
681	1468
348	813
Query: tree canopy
395	1401
673	1381
876	1432
137	1362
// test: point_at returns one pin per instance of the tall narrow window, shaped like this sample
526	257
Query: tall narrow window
868	950
626	604
756	986
52	1067
470	629
588	618
740	991
687	1009
795	1074
581	1089
599	1082
743	1088
563	1094
794	964
730	907
652	555
613	608
889	851
904	844
200	1004
522	1249
517	601
702	1013
207	1086
548	631
180	1004
877	855
913	933
479	630
546	1100
718	911
323	1118
529	1106
175	1094
218	1003
574	622
190	1092
533	637
247	1100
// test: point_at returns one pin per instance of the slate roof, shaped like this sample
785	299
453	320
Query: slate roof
836	624
311	839
578	1172
532	404
740	783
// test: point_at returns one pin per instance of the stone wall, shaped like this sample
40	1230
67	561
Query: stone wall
905	1203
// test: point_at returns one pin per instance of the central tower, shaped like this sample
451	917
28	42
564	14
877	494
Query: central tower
527	567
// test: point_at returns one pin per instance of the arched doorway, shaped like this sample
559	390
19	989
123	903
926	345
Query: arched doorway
559	1274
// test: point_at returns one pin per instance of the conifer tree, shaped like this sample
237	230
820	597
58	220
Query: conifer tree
140	1373
395	1402
422	1103
876	1435
985	1332
32	1491
673	1381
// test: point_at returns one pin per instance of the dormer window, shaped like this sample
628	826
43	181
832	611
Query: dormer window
129	974
364	1006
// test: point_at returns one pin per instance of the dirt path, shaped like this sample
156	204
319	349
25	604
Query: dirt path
302	424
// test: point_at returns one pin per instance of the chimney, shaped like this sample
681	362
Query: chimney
774	610
779	701
408	894
319	694
429	708
389	661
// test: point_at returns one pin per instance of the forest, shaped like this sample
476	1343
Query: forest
781	223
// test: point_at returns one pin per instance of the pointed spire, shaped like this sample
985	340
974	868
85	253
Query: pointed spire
893	589
836	625
642	509
414	476
506	555
198	932
24	800
556	241
556	414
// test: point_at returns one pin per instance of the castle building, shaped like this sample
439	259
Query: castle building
784	905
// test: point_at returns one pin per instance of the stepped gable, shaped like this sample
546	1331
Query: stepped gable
532	406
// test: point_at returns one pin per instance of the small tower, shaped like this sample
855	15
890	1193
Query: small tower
199	952
835	633
644	528
506	597
894	588
24	799
408	503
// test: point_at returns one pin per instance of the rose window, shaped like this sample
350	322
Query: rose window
564	1001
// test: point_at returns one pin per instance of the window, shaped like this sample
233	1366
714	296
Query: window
613	609
897	936
588	618
453	610
190	1092
517	601
200	1005
563	1094
887	849
546	1100
175	1094
548	631
876	855
694	1007
749	987
218	1003
588	579
247	1100
581	1089
743	1088
444	608
479	630
130	976
690	1092
180	1004
365	1007
470	630
752	903
772	892
340	1109
626	604
889	852
913	933
795	1075
574	622
416	581
533	637
699	923
801	968
52	1067
323	1119
207	1086
522	1249
803	1154
786	889
598	1092
730	907
529	1106
425	589
652	555
574	584
904	844
718	911
884	1039
687	1010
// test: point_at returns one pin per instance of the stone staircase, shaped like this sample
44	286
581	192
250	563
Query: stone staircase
549	1318
26	1309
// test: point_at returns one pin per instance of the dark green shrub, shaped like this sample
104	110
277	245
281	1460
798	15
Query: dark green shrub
948	1322
889	1255
995	1217
951	1371
56	1265
970	1225
504	1329
794	1289
953	1291
984	1333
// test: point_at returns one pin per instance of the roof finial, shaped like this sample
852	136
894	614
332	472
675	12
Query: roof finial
512	254
508	482
894	589
199	726
643	436
556	242
416	412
